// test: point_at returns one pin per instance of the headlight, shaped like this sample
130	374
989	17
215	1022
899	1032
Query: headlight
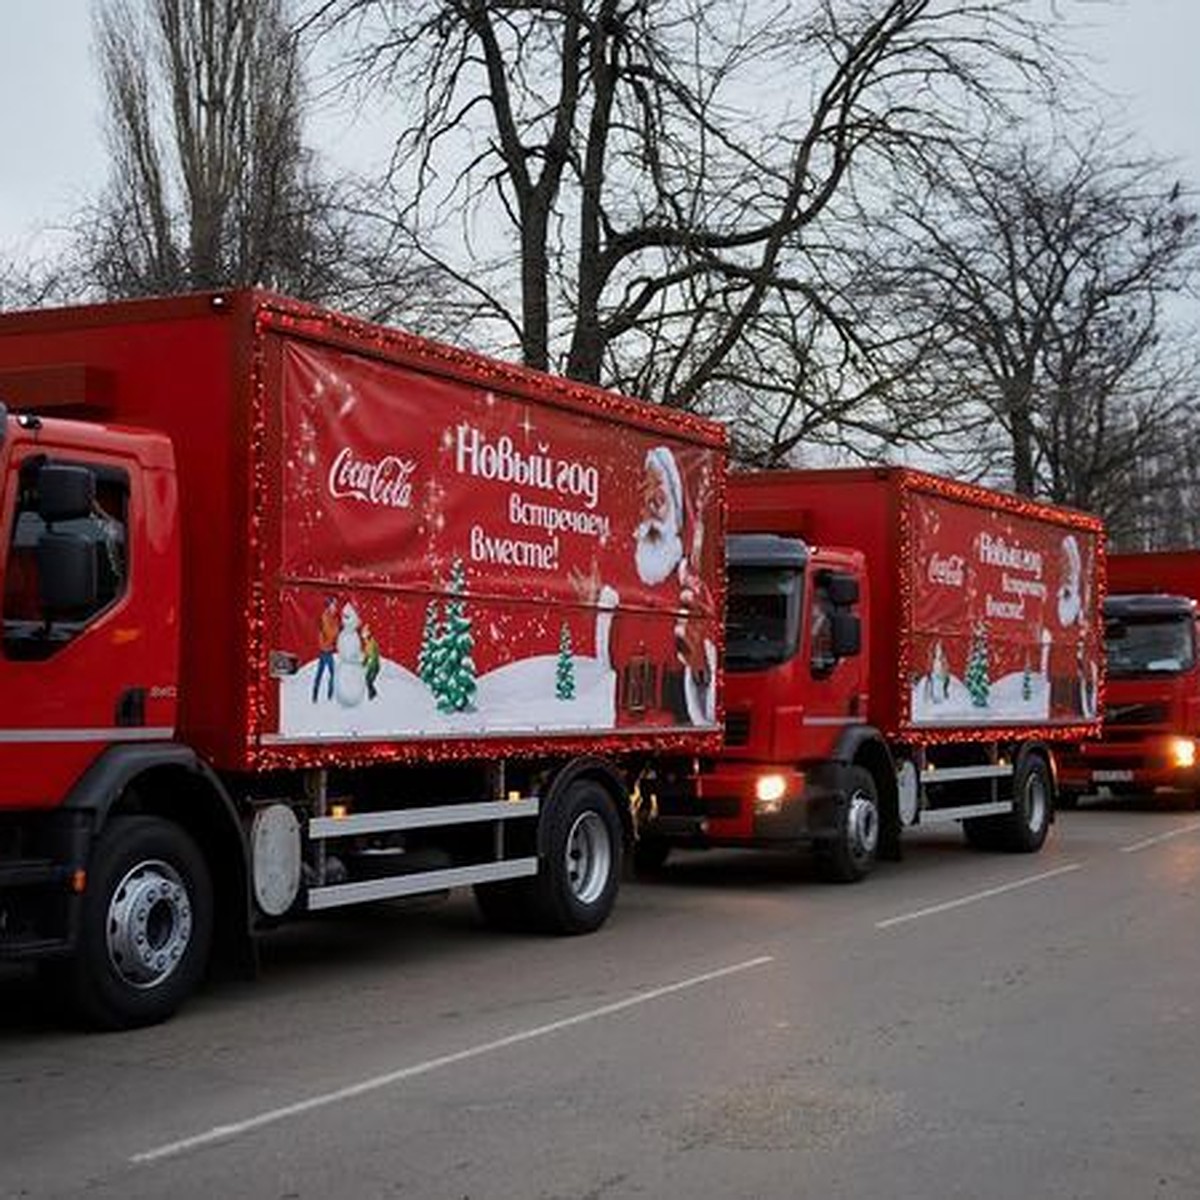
769	791
1182	752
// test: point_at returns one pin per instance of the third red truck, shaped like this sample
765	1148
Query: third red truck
1152	698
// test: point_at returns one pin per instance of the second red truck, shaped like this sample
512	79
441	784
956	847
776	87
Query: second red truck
901	650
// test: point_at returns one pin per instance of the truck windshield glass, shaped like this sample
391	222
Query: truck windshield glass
763	621
1155	646
29	632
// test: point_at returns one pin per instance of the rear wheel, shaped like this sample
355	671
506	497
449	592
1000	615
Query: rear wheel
146	926
850	855
576	888
1024	830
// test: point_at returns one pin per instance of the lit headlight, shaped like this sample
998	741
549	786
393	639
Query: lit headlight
1182	752
769	791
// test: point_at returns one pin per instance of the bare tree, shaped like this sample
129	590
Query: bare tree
1046	272
211	184
640	192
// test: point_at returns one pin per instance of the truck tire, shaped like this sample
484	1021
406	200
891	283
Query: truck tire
576	888
1023	831
850	856
1026	827
146	926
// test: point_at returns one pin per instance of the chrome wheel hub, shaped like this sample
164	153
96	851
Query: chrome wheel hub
589	857
149	924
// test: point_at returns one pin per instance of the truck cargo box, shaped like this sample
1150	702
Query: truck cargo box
1169	572
394	549
986	604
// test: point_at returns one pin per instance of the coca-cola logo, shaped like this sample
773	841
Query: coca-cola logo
946	570
385	481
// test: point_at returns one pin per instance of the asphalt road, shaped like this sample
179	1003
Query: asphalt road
961	1024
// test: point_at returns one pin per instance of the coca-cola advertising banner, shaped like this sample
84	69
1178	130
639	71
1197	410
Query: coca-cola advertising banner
1004	616
460	561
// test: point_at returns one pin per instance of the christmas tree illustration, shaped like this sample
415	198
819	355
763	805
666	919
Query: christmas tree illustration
1027	682
564	678
427	655
454	668
978	684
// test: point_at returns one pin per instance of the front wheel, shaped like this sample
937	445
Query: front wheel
146	926
850	855
576	888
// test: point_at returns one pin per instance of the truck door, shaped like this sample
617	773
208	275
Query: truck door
832	653
79	640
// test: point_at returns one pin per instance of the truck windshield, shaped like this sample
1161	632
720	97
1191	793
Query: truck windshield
1149	646
762	624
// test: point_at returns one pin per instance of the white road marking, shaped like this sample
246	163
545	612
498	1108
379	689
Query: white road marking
1162	837
221	1133
986	894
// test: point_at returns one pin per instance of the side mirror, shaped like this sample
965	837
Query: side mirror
845	634
65	493
67	576
842	589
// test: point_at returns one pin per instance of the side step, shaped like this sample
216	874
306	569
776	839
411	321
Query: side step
404	880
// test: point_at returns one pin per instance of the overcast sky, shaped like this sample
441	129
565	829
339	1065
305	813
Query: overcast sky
1145	53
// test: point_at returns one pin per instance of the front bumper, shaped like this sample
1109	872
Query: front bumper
42	857
720	807
1144	763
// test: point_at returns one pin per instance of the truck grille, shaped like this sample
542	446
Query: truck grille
1136	714
737	728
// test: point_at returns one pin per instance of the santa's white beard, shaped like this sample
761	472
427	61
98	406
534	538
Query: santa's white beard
1069	606
659	550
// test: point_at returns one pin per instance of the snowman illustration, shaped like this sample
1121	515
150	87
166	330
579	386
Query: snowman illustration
937	682
350	685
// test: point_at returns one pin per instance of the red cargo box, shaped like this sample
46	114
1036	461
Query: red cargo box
393	549
1169	572
985	606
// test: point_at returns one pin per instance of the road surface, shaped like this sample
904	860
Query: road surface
961	1024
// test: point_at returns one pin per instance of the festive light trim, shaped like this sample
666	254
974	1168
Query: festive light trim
408	349
256	600
443	750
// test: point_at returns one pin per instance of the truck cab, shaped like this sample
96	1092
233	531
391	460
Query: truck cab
1152	707
795	692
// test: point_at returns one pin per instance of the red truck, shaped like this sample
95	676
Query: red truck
1152	694
901	649
301	612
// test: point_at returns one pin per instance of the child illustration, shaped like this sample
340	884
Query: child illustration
371	662
327	634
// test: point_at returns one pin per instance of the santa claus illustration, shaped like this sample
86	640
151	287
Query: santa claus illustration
664	663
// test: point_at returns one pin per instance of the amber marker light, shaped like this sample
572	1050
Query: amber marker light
1183	752
339	812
